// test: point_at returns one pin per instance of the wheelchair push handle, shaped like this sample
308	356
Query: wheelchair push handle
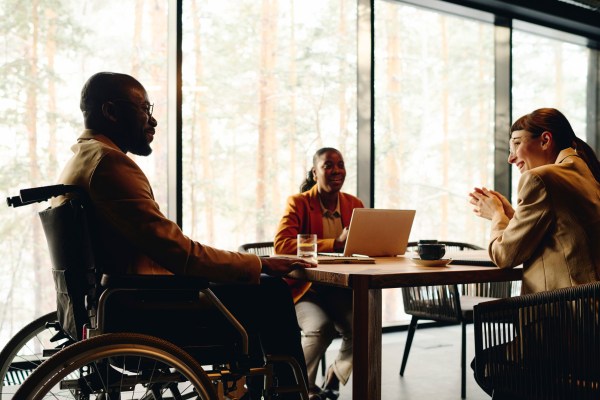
39	194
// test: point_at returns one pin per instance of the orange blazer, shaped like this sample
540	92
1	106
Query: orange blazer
303	214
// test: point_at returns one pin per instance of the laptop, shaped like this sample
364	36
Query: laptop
377	232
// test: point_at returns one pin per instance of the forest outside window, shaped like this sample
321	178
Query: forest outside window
49	50
434	119
254	117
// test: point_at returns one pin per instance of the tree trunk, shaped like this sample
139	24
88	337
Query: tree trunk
393	148
266	154
342	103
201	140
138	17
34	169
445	143
293	82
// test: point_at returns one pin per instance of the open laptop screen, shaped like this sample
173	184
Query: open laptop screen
378	232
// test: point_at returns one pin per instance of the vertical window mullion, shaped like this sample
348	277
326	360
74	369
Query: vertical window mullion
593	101
365	102
174	120
502	104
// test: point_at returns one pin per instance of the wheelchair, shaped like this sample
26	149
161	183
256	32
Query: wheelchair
131	336
26	350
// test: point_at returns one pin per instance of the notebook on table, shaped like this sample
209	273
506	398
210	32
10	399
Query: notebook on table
339	258
470	257
374	232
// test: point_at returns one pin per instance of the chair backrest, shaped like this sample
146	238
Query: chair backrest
74	269
412	246
486	289
258	248
540	346
442	302
66	232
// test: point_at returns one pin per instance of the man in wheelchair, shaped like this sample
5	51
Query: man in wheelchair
134	237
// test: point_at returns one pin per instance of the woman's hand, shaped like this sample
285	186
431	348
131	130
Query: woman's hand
508	209
489	202
340	241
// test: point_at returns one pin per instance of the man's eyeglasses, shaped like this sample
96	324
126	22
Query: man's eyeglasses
147	108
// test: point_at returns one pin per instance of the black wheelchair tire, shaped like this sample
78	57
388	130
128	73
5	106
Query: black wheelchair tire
111	345
17	343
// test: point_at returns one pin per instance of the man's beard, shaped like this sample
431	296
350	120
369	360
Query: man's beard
142	150
141	147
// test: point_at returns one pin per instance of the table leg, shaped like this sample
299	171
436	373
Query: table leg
366	380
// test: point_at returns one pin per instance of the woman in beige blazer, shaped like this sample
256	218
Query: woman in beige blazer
555	229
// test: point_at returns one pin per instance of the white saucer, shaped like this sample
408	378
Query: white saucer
432	263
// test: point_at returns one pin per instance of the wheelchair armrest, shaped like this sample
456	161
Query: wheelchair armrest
167	282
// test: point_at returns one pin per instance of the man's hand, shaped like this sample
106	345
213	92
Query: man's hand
279	266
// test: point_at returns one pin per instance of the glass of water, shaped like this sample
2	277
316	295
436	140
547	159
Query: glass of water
307	245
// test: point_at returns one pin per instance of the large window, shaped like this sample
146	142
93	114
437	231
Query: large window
265	85
49	51
434	96
549	71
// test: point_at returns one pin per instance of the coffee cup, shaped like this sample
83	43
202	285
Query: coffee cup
431	249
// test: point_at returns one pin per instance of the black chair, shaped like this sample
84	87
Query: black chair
448	304
147	336
258	248
540	346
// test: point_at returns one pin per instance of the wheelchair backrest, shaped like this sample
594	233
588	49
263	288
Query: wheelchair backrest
68	230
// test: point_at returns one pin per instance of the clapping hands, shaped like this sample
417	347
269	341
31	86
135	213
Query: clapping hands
489	202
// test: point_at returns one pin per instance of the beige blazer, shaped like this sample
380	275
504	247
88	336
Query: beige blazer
134	235
555	232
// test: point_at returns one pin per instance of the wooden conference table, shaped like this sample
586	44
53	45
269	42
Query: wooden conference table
366	282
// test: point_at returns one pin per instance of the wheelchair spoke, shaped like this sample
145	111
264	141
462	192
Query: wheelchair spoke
129	367
25	351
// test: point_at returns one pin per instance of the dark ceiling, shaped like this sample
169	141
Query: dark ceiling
581	17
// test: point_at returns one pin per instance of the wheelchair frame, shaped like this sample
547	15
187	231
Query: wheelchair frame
108	353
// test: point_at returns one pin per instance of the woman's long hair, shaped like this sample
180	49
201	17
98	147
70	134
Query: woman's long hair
552	120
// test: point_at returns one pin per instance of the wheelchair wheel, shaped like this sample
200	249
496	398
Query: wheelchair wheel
24	352
119	365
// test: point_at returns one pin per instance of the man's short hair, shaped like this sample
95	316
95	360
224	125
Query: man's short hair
104	86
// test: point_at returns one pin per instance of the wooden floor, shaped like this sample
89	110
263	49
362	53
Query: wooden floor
433	368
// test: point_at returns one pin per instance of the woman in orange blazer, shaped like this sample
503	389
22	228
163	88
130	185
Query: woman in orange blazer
323	311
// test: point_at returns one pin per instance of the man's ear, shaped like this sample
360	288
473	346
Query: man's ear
109	111
314	173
